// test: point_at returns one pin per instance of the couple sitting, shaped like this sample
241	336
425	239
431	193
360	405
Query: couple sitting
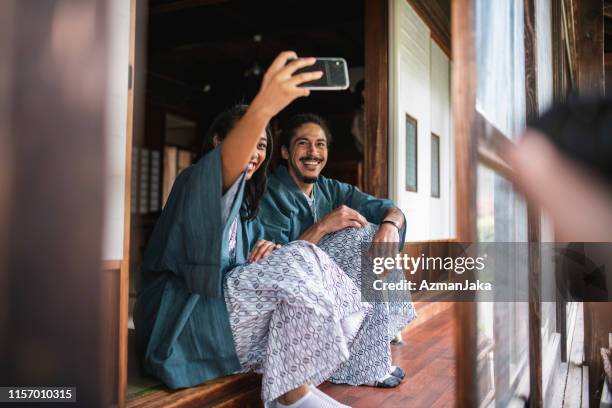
240	277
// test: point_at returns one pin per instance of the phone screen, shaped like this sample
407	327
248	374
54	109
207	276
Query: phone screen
335	74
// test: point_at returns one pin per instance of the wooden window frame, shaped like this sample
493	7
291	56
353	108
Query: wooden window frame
478	141
414	121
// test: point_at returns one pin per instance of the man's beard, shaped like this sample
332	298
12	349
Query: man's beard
305	179
309	180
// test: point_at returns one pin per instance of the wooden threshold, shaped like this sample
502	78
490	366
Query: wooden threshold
240	390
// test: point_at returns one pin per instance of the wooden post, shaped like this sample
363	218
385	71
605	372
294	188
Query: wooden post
376	118
533	218
590	81
464	100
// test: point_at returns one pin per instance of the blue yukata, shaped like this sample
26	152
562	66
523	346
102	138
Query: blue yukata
286	212
204	312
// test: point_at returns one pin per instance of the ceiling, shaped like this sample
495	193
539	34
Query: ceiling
198	51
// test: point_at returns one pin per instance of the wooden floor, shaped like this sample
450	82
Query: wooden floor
427	356
571	387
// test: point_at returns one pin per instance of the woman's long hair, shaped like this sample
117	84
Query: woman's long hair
256	186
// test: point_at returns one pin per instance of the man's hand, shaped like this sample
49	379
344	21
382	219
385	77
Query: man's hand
385	242
262	249
386	233
342	217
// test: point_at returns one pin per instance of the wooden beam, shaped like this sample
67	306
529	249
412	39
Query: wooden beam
376	117
463	104
536	393
124	276
591	81
181	5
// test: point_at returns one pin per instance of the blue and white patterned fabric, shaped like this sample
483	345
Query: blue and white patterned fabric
297	317
290	315
371	352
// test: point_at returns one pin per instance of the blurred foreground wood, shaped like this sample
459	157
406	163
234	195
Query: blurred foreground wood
53	88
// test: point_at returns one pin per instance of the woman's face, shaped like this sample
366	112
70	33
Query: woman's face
258	156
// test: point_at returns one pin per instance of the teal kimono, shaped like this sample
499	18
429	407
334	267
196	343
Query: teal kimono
181	319
286	213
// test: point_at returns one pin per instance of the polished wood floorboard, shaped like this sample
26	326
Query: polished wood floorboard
427	356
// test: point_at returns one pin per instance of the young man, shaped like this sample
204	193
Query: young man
302	205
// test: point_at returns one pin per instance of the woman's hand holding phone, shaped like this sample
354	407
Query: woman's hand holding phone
280	87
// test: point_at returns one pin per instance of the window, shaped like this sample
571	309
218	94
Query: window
435	166
411	153
144	181
175	160
146	165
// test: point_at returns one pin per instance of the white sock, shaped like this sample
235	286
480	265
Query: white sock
324	396
296	404
313	399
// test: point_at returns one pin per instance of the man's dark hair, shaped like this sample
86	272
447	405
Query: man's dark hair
256	186
582	130
296	121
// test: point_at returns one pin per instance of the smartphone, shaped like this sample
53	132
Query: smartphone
335	75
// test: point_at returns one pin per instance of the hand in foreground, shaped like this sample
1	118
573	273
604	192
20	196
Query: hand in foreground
262	249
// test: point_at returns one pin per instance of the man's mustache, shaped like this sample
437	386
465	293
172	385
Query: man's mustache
310	158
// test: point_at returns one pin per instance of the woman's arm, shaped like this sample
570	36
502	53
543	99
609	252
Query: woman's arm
278	89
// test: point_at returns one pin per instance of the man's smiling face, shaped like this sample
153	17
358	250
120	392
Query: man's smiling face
307	153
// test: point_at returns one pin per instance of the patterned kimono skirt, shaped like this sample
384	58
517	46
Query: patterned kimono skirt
370	358
297	317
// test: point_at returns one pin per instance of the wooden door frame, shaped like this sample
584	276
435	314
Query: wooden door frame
124	274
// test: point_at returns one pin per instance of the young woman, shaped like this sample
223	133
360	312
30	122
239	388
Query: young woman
215	299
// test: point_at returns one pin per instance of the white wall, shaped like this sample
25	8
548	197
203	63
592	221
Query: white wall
116	123
420	87
440	208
